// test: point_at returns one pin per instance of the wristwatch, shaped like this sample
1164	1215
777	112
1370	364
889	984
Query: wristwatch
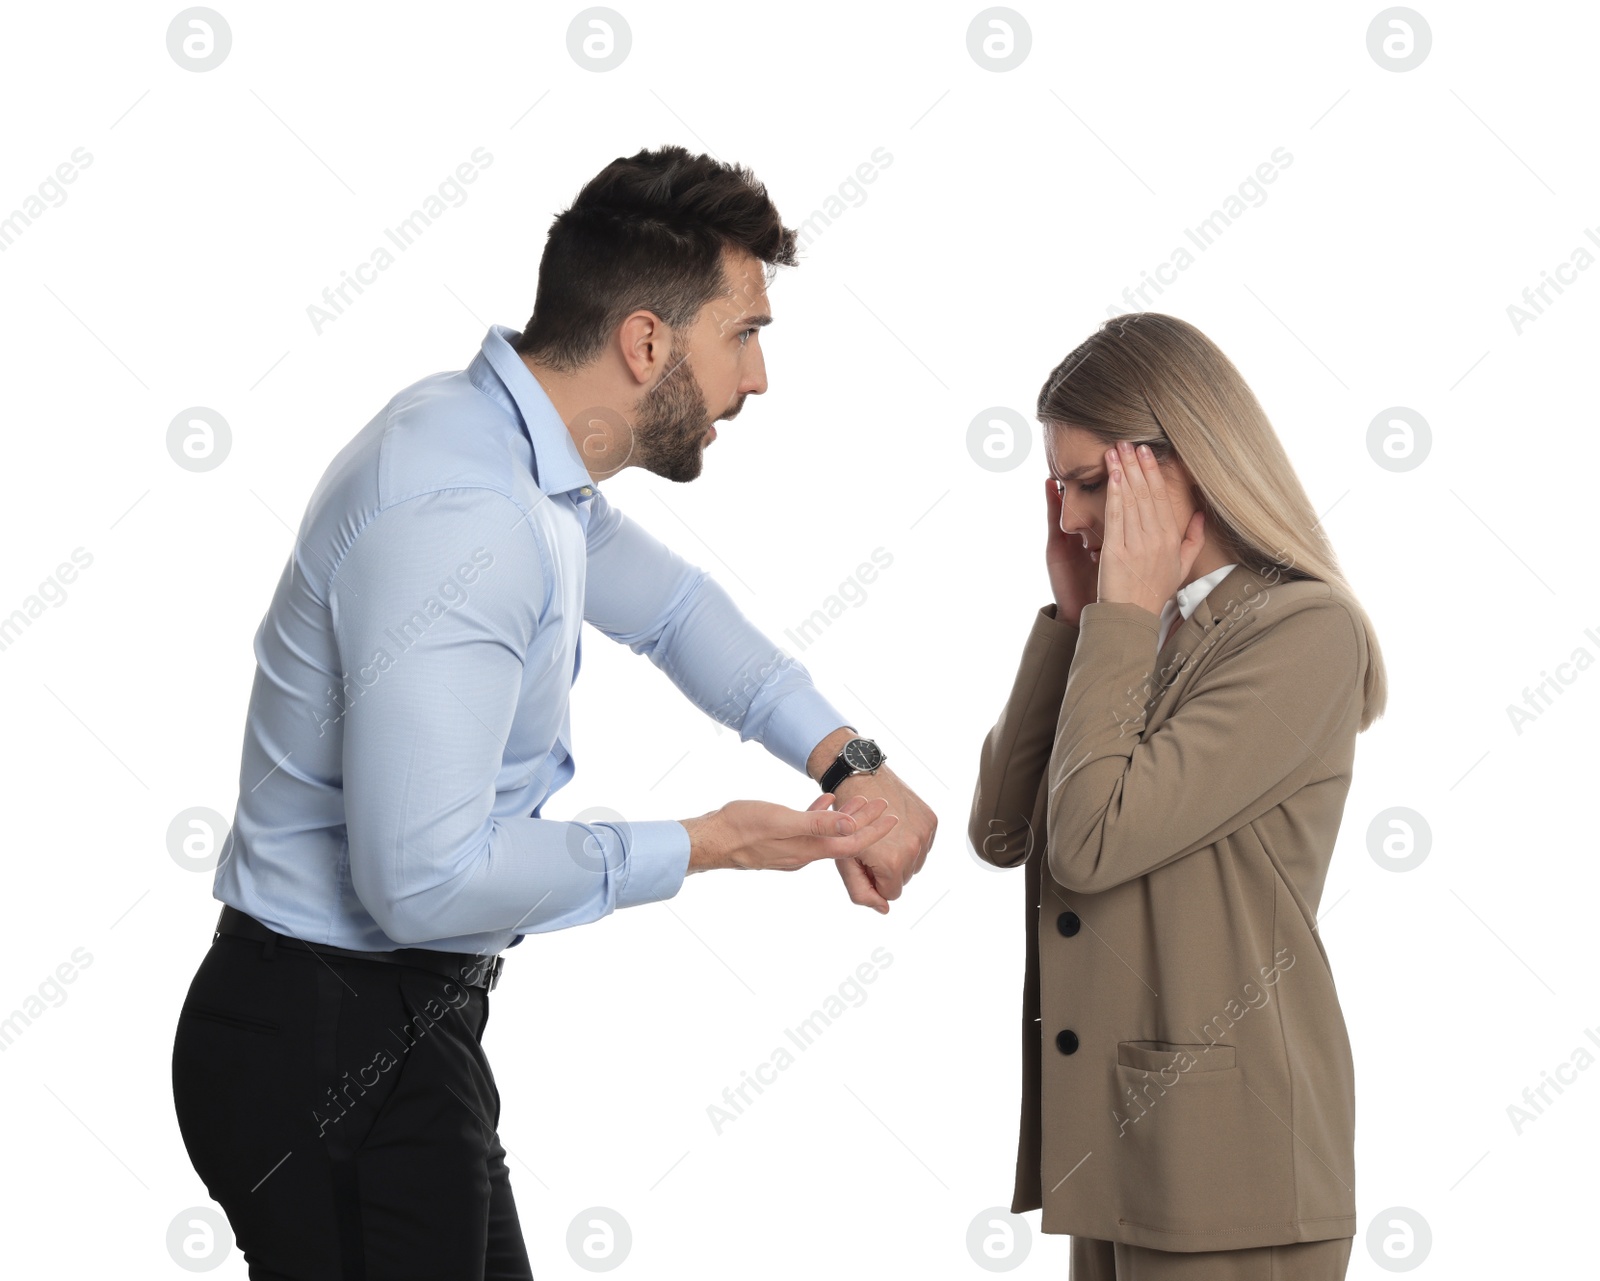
858	756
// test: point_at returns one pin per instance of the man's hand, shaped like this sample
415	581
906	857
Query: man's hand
876	875
760	834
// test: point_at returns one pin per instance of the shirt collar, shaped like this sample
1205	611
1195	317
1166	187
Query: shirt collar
1193	593
1216	606
1186	600
499	373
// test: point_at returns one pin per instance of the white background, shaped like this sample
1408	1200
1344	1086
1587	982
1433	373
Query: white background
178	270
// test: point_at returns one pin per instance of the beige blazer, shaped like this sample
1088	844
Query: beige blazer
1186	1075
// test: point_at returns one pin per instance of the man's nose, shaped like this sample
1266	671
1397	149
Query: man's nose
755	382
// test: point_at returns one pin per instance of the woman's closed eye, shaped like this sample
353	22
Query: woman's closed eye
1083	487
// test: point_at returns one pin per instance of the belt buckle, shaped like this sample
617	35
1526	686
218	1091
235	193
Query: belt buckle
486	973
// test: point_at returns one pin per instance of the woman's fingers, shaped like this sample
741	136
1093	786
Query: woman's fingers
1127	482
1114	499
1143	516
1160	499
1140	528
1112	544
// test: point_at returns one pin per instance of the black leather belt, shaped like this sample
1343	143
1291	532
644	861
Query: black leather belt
464	967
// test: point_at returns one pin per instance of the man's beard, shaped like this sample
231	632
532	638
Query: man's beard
670	421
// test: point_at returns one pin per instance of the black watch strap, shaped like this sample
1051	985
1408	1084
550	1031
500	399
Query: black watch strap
836	774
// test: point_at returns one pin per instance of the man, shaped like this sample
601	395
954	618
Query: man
409	719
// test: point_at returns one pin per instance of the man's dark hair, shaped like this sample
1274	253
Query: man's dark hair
647	231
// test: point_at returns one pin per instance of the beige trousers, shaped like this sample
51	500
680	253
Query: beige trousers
1094	1260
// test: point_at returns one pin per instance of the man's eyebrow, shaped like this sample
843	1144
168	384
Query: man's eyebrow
757	321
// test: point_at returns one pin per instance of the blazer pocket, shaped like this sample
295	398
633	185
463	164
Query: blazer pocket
1171	1057
1196	1150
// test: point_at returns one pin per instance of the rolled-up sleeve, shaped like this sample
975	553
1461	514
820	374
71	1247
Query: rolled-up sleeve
435	608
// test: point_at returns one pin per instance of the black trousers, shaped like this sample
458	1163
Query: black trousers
343	1114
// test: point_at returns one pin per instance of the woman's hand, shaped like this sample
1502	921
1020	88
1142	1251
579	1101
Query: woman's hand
1143	557
1074	578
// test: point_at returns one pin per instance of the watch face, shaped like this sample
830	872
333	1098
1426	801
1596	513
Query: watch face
862	754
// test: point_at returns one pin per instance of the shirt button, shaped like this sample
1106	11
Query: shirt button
1066	1040
586	491
1068	923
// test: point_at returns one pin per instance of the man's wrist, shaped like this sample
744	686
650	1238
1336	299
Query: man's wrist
827	751
705	845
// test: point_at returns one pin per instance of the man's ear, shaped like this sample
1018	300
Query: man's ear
643	340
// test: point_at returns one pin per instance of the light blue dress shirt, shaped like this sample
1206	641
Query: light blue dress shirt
409	714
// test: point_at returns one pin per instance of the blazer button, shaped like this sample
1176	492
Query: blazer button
1066	1040
1068	923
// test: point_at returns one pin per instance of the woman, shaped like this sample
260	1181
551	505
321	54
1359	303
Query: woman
1171	767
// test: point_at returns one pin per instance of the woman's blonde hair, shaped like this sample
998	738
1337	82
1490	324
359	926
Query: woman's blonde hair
1153	379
